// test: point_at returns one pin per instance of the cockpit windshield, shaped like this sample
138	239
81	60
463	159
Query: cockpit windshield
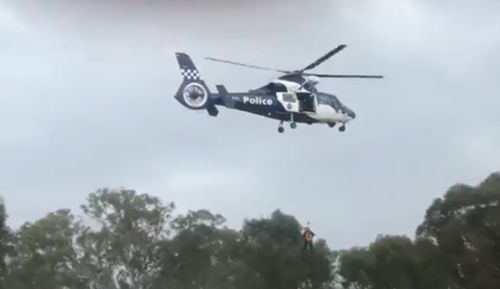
323	99
328	99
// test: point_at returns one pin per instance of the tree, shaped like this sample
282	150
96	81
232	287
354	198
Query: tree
389	262
4	242
274	253
205	255
456	247
128	240
466	227
44	256
355	267
395	262
433	266
124	251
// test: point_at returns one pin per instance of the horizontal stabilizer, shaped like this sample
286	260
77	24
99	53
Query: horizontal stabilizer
212	110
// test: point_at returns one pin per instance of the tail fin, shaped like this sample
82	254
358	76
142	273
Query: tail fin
188	69
193	92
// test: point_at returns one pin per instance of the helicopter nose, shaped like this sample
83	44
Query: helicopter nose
349	112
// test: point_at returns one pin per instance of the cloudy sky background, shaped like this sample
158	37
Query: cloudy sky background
86	102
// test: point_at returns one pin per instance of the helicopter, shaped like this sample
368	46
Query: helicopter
291	97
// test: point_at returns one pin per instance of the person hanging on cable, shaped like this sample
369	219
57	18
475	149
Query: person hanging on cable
308	236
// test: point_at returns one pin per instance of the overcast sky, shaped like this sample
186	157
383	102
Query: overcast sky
86	102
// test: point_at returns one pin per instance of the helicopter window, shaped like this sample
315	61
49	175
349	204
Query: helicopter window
323	99
288	97
335	102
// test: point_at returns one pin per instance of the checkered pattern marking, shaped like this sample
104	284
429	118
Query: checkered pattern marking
190	73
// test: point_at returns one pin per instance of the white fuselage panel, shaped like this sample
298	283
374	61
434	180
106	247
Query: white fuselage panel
326	113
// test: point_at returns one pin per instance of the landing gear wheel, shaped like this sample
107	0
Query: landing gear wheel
331	124
293	125
281	129
342	128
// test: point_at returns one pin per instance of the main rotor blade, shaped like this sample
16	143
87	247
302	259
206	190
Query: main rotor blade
246	65
324	57
344	75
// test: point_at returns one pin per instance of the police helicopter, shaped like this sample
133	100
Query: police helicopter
291	97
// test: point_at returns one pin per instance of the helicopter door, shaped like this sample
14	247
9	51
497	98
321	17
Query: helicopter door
307	101
289	101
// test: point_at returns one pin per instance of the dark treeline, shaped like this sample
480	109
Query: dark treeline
128	240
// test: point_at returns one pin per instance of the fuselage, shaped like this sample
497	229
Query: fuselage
283	97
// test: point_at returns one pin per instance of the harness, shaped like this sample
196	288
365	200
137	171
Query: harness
308	236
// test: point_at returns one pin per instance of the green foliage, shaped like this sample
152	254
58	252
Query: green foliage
125	250
126	240
457	246
196	218
4	243
466	225
275	244
44	254
389	262
204	256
